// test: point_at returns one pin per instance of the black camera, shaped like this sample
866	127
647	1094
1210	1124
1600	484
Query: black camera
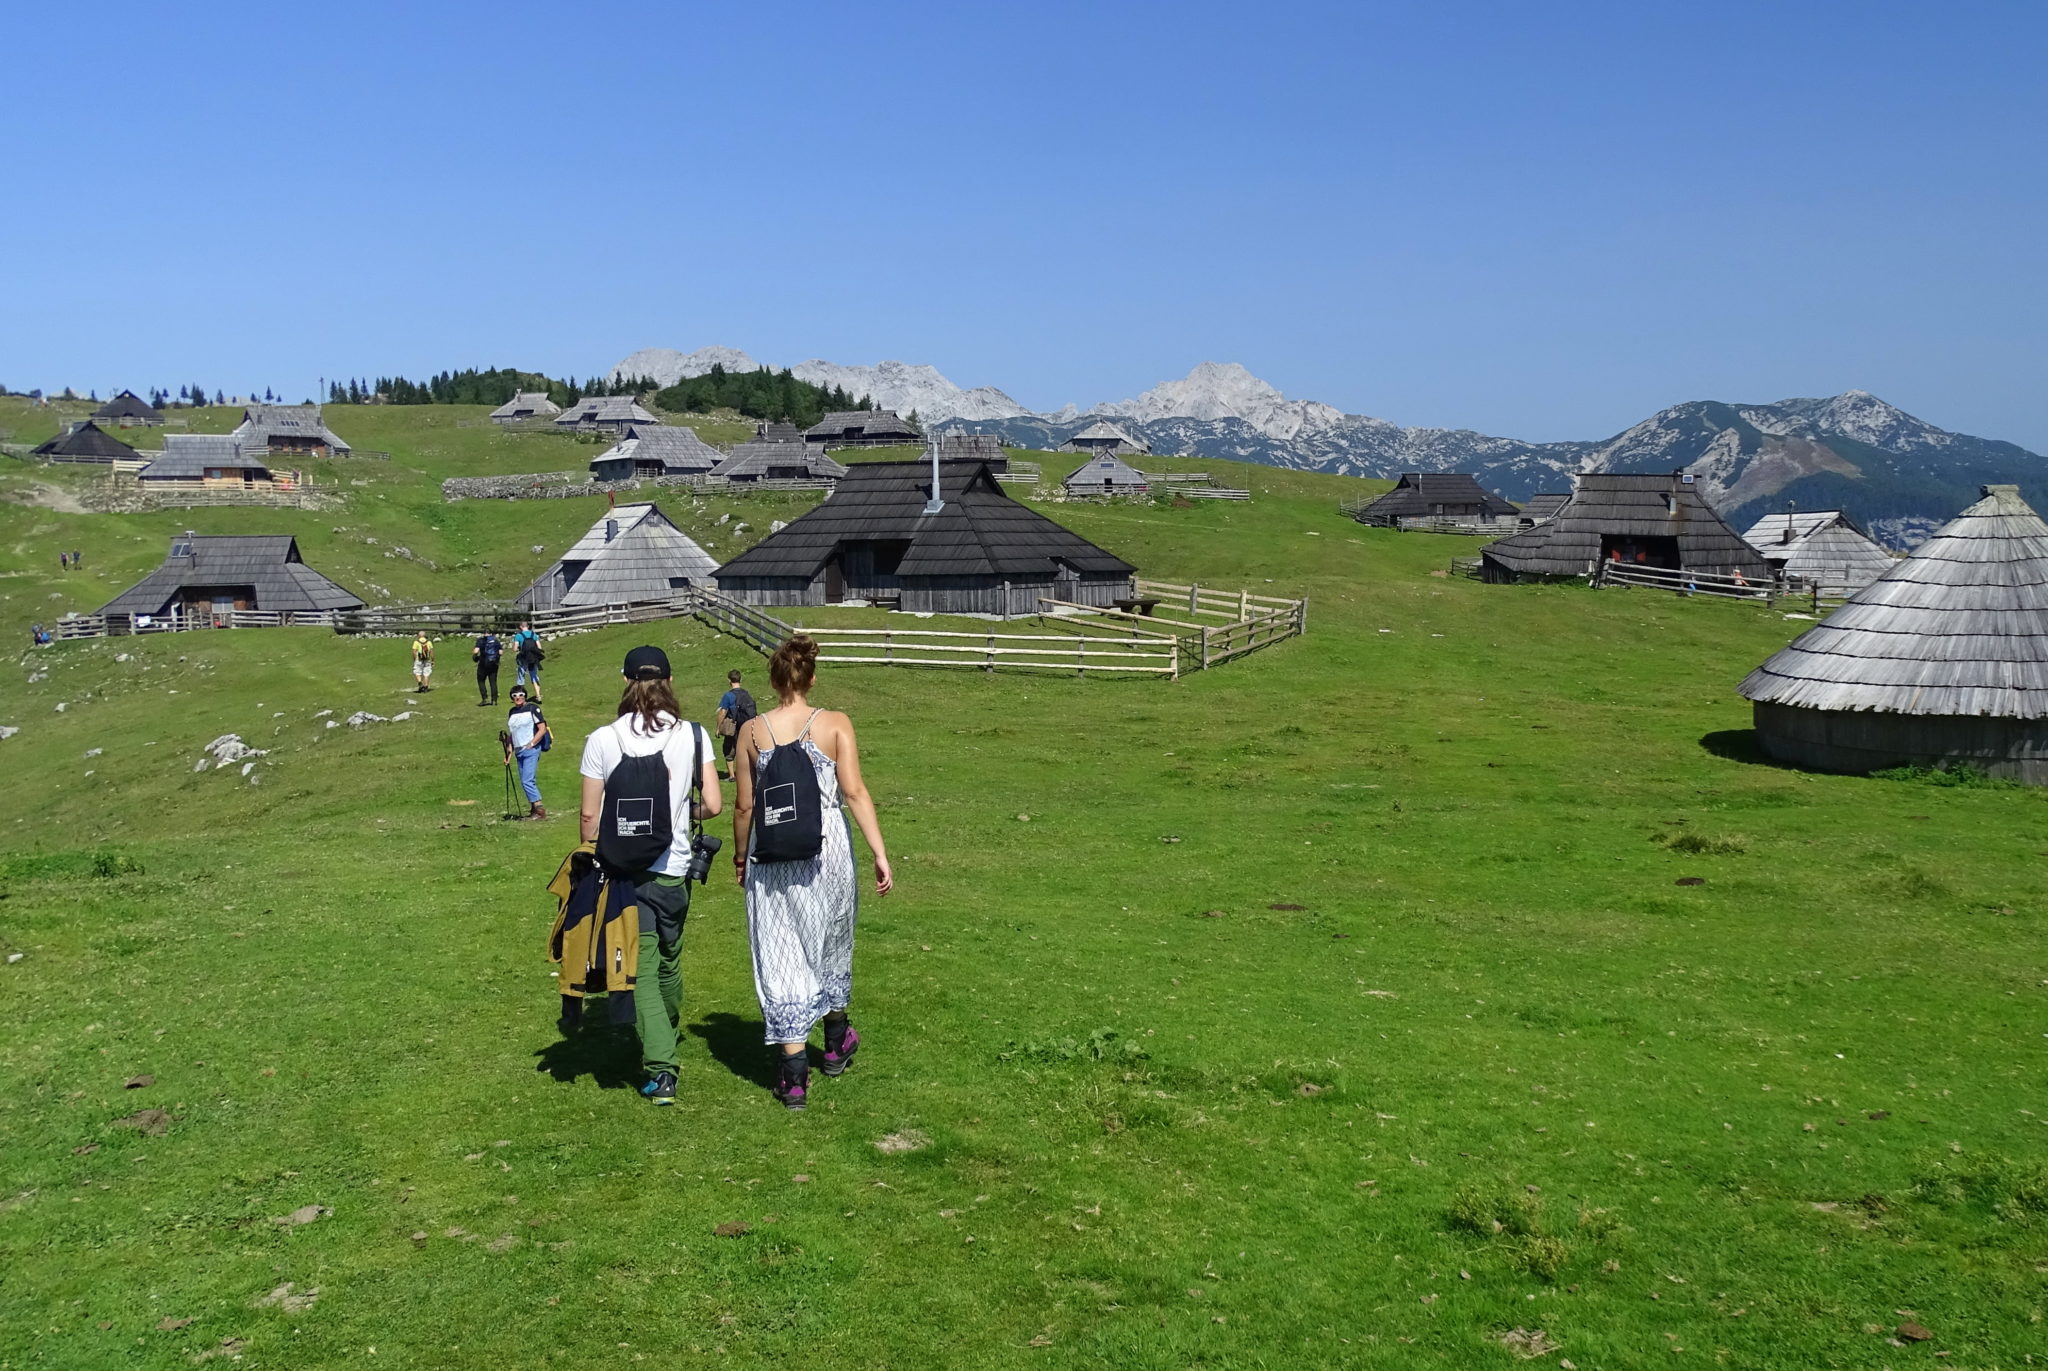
703	847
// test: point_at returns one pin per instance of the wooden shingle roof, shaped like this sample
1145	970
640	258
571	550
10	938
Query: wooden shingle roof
969	447
527	404
269	563
1107	473
676	446
1102	431
1545	506
635	552
750	461
1958	628
605	409
129	405
862	425
188	455
1420	494
263	424
86	443
980	532
1606	504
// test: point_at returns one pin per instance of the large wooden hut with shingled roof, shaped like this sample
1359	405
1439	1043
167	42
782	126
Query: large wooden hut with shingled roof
1436	495
1659	521
655	450
212	457
1105	475
213	575
1103	437
633	553
128	410
86	443
861	428
1823	549
980	553
598	413
765	460
295	429
524	406
1941	661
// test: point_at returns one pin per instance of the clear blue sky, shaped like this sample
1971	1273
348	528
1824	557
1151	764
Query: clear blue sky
1544	220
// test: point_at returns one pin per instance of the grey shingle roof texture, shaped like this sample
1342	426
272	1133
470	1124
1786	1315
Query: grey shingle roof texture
268	562
1628	506
87	443
1418	494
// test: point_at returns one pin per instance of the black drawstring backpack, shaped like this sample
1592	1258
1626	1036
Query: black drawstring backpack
635	828
789	809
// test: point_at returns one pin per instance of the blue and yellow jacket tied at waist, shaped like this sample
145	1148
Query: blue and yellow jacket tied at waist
596	936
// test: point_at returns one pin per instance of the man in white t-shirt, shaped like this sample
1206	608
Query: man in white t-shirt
649	725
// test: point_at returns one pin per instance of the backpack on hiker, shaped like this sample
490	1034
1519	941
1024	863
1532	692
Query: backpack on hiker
636	826
789	809
742	710
489	649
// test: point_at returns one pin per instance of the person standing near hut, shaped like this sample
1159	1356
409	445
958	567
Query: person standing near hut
797	767
422	661
526	737
649	740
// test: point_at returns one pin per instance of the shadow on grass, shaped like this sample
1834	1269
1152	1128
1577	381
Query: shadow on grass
608	1054
1740	745
736	1042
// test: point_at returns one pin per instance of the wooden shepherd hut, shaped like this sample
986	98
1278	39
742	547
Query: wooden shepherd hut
212	575
762	460
1537	508
633	553
1659	521
1105	475
1436	495
601	413
85	443
655	450
980	553
527	404
128	410
1103	437
861	428
1941	661
297	430
1823	548
215	458
958	445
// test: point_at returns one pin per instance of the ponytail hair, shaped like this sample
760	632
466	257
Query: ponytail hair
794	666
648	701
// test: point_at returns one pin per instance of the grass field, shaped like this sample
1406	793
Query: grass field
1453	973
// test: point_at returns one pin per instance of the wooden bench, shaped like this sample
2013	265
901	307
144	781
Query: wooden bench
1142	604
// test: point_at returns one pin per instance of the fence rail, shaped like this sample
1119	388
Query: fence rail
1734	587
1210	493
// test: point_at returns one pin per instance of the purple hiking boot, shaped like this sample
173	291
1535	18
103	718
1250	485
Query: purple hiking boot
839	1057
793	1079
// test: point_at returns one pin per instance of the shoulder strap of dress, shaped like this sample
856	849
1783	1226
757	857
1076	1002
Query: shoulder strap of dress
773	740
807	725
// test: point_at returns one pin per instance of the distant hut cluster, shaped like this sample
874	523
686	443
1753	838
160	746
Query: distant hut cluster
1824	550
128	410
878	538
1104	477
1942	660
861	428
1103	438
776	459
1454	496
1635	520
213	575
635	552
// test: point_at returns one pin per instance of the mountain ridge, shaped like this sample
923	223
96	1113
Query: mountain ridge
1895	473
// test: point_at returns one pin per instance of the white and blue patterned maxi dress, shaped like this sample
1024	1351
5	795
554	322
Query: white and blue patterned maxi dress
800	916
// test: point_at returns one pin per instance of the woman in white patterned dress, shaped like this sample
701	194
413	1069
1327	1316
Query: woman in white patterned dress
800	914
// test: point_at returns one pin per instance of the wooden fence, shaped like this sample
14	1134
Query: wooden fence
1077	638
1732	587
1210	493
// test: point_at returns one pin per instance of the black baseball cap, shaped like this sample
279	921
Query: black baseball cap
647	664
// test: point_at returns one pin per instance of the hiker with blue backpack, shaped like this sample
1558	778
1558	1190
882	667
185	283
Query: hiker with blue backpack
798	774
639	773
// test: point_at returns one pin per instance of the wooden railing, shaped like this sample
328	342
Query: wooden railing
1444	523
1177	478
1734	587
1211	493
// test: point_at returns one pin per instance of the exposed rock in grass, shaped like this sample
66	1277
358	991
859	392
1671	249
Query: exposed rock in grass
907	1140
138	1082
289	1298
304	1214
151	1122
171	1325
733	1229
364	717
8	731
1528	1343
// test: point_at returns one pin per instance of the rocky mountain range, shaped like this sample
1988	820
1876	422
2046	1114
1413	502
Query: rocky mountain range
1897	475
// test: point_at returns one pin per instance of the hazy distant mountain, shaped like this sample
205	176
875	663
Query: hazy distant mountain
1897	475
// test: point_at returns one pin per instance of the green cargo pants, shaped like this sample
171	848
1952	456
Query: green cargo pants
658	989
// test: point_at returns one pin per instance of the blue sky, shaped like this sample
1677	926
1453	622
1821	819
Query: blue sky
1540	220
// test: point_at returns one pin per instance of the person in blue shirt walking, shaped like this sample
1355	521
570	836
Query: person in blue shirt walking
735	707
526	736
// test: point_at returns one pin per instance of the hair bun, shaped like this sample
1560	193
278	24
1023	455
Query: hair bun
794	665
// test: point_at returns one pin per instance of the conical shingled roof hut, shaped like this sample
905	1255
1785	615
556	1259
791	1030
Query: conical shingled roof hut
1826	550
1942	660
1659	521
128	408
86	443
633	553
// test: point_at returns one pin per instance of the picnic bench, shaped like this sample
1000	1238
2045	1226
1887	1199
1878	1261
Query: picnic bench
1139	604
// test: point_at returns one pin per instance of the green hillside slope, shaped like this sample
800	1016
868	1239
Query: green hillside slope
1454	972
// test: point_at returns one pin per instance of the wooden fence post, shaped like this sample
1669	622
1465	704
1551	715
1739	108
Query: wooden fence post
1193	600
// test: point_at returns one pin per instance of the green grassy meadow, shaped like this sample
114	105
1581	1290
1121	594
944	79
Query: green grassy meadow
1455	972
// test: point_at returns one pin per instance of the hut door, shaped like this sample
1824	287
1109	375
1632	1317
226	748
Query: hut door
1066	584
835	582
